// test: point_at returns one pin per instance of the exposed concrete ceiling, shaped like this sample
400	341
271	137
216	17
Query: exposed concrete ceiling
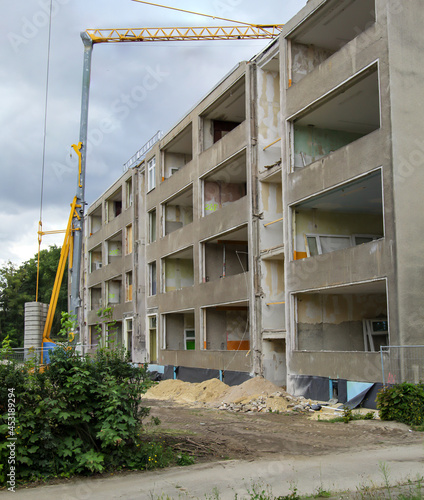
354	108
336	23
183	199
182	143
236	235
363	195
186	253
231	106
232	172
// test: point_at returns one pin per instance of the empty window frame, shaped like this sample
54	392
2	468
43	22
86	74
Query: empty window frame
128	239
226	255
113	291
337	319
226	327
178	270
152	278
151	174
225	185
95	220
96	302
128	286
114	205
114	248
153	338
225	114
128	334
178	152
95	259
345	115
178	211
343	217
327	30
152	226
129	193
179	331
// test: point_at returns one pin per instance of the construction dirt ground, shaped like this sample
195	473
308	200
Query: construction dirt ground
258	419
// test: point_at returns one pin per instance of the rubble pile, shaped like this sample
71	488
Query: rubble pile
274	403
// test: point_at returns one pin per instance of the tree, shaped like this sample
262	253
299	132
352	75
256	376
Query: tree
18	286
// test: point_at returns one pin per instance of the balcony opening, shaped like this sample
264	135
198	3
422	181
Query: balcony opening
179	331
226	327
178	211
95	220
178	270
345	318
113	291
128	286
95	259
128	239
152	226
225	185
325	32
129	193
114	205
349	215
342	117
226	255
225	114
96	302
152	278
178	152
114	248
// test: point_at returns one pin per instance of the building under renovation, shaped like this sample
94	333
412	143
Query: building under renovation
275	229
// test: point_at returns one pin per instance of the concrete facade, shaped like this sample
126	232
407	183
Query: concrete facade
276	227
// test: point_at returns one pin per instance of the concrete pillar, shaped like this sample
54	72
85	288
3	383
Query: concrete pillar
35	317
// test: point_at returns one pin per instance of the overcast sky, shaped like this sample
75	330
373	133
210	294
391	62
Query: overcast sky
184	73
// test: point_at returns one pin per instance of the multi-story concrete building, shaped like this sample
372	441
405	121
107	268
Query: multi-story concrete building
277	232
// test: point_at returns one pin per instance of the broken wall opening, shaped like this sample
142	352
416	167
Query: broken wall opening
273	298
342	117
226	327
325	32
225	185
96	302
95	221
113	291
178	152
335	319
114	205
114	247
274	360
225	114
226	255
179	331
96	258
178	270
178	211
350	215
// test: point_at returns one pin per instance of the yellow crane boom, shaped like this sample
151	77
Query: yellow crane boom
184	33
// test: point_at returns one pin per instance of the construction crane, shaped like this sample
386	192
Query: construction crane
72	246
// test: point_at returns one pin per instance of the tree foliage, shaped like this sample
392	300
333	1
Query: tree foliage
80	415
18	286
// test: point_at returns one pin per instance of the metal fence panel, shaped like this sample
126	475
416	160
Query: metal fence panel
402	364
22	354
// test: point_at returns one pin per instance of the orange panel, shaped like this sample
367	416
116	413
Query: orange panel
300	255
238	345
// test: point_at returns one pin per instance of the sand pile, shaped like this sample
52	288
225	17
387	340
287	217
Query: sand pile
186	392
254	395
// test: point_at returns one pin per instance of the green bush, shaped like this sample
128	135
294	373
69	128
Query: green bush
79	416
403	403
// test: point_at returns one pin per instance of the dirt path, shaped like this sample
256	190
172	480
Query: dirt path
221	434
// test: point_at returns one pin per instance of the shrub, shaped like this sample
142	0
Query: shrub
79	416
403	403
